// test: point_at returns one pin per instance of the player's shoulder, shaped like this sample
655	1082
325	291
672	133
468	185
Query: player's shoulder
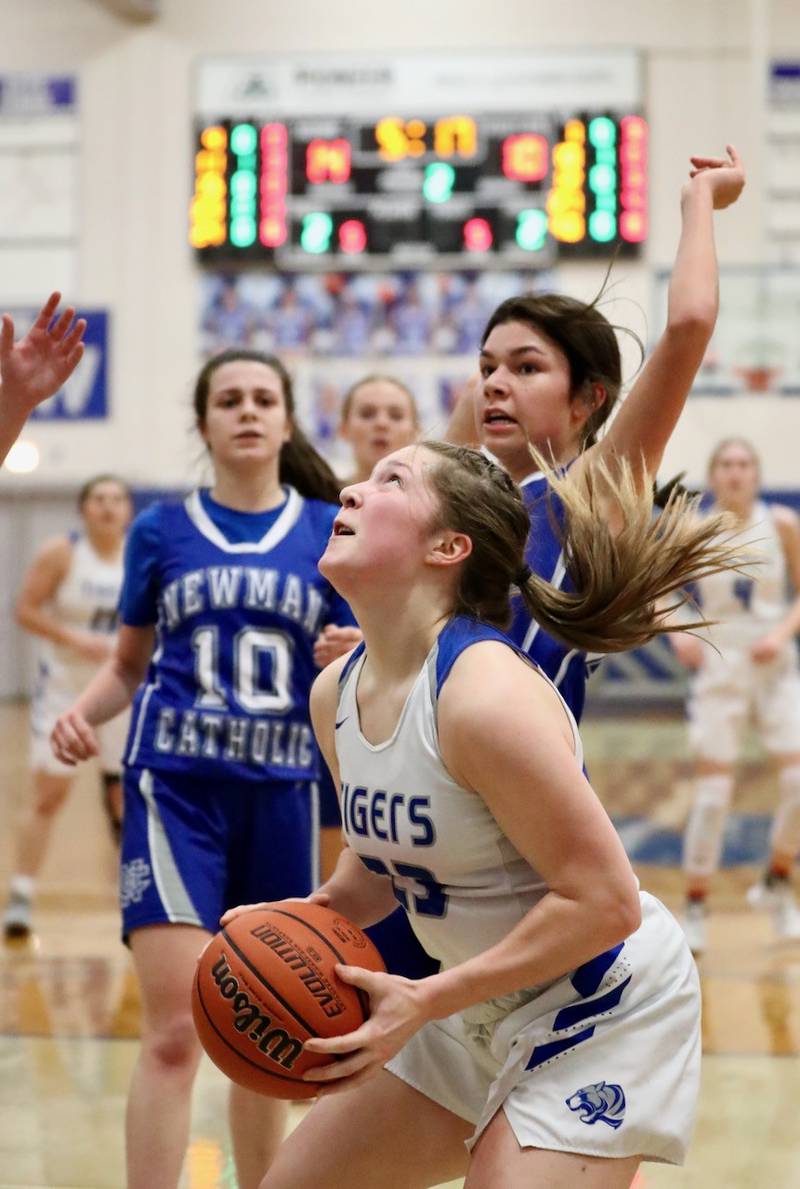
325	689
784	517
156	518
57	552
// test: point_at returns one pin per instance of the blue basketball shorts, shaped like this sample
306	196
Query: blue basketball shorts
192	848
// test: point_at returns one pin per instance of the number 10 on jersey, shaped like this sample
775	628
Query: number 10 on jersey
256	651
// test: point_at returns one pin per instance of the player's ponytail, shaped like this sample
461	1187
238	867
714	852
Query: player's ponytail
300	464
620	579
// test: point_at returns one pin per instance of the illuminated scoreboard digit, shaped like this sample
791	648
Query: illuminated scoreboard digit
418	189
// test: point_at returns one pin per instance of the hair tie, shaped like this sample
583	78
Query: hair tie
523	575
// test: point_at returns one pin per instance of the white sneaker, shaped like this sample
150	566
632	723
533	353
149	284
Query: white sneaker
17	917
693	923
778	900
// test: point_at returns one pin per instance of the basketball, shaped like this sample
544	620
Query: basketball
266	983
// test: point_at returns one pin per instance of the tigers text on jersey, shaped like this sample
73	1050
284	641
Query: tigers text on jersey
228	684
744	607
567	668
462	882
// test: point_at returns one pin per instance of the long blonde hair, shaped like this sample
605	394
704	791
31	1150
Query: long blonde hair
621	578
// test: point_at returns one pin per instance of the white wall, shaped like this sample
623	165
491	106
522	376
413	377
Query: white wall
136	133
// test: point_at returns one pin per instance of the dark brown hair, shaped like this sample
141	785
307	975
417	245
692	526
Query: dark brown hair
90	484
619	579
378	378
300	464
585	336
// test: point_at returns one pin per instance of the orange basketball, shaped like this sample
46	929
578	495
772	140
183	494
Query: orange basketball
265	984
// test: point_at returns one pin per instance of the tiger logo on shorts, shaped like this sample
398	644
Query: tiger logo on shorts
601	1103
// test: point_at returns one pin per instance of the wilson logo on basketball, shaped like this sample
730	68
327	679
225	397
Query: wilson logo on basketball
309	975
274	1043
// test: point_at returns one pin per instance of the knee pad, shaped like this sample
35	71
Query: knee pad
785	834
702	842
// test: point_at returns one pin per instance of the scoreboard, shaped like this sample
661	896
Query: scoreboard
418	183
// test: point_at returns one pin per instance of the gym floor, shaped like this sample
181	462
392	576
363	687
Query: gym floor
69	1009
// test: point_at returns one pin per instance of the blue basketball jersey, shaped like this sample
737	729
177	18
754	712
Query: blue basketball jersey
237	601
567	668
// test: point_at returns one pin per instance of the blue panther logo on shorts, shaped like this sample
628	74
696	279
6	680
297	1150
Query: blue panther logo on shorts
601	1102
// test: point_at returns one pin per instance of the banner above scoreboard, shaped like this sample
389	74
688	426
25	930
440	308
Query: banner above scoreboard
309	85
459	160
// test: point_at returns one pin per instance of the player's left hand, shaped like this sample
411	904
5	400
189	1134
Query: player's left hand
767	649
397	1012
333	642
42	361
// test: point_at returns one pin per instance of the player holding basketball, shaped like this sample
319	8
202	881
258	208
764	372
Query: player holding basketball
749	667
69	601
561	1039
551	374
221	605
34	368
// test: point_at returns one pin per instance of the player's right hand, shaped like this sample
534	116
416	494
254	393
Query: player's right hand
315	898
72	739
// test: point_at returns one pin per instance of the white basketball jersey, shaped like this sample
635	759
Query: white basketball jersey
86	600
745	606
462	882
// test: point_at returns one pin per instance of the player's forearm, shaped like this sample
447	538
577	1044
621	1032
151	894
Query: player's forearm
358	894
693	301
110	691
11	425
555	937
790	626
39	622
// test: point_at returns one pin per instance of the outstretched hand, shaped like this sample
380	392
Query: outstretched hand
724	176
41	362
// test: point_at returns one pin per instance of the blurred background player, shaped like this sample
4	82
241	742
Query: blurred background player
379	414
747	668
69	601
220	607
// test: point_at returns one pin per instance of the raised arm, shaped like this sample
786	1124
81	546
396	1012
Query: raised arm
643	426
36	367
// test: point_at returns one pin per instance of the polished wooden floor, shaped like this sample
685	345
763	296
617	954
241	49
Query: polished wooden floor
69	1009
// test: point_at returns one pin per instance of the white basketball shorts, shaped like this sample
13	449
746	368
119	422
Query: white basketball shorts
730	690
613	1073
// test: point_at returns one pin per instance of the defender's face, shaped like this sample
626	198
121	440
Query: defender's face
525	396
